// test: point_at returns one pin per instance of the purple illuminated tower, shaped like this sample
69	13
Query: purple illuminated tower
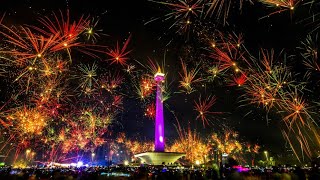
159	156
159	124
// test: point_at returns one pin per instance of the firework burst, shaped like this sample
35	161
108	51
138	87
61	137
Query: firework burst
221	8
227	143
281	5
150	111
28	121
203	108
190	143
182	13
88	77
67	30
310	52
239	81
118	55
188	78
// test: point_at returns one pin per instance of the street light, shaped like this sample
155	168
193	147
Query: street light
28	151
126	162
266	153
92	156
32	154
197	162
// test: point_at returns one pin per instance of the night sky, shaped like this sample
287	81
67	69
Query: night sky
119	19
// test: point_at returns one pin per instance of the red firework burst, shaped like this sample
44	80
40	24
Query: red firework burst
239	81
118	55
203	107
27	45
68	32
63	26
150	111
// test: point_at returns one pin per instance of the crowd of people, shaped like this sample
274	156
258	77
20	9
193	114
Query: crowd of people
158	172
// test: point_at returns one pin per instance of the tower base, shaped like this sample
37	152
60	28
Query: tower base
159	158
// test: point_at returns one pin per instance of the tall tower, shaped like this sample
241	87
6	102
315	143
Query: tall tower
158	156
159	123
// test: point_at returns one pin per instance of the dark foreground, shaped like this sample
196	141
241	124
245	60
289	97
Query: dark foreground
158	173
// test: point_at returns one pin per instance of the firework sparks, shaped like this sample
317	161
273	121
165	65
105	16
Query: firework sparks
135	146
47	116
214	72
69	32
130	69
297	109
188	78
289	4
150	111
91	32
112	81
183	12
281	5
239	81
28	121
190	143
87	134
31	46
310	51
227	56
4	14
221	8
118	55
88	77
227	143
203	108
64	108
145	87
